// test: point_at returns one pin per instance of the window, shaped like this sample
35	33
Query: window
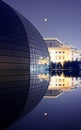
50	44
59	80
59	57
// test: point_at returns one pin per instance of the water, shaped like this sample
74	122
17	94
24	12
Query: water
59	109
63	112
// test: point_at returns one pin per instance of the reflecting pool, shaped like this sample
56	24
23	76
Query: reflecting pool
60	107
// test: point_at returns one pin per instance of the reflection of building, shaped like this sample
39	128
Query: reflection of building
60	52
59	84
21	48
52	93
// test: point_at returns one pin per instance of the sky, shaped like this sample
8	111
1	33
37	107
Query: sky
63	18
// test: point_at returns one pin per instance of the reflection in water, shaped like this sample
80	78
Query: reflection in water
62	82
62	113
19	97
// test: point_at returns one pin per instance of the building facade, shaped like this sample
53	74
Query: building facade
60	52
78	53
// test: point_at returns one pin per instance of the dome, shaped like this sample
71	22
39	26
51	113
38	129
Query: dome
24	61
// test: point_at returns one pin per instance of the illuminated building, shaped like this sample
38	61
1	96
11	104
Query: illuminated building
60	52
78	53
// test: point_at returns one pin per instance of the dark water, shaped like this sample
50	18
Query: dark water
63	112
59	108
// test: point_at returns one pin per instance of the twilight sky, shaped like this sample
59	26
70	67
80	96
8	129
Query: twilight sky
64	18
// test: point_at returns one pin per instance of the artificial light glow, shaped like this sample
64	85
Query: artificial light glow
62	83
43	76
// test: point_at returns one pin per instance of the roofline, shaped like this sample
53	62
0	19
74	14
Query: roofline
53	39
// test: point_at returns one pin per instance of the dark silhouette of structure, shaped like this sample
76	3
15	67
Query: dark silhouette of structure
22	52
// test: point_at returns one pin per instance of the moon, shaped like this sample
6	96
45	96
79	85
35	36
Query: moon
45	19
45	114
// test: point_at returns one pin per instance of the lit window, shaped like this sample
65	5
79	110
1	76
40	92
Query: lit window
50	44
59	57
59	80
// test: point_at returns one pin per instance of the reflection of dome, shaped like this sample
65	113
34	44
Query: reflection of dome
22	53
16	99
